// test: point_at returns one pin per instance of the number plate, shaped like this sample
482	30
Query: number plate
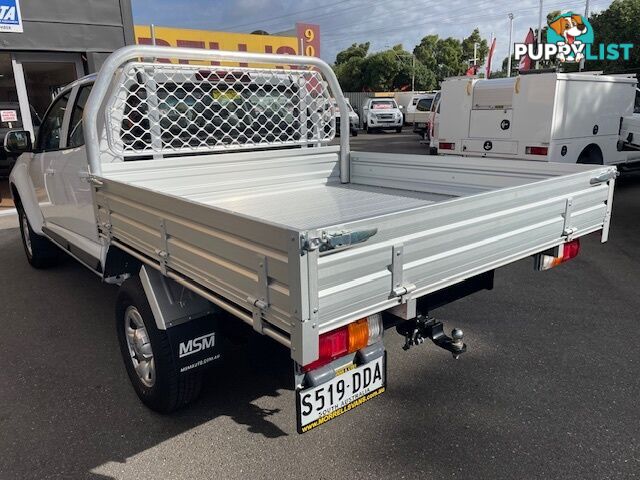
318	405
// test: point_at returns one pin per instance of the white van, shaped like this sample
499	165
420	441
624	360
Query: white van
379	113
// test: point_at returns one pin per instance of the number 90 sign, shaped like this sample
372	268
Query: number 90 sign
309	36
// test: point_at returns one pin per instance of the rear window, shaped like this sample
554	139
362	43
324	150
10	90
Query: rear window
424	105
383	104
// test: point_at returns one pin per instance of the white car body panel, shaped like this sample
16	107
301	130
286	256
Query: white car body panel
563	112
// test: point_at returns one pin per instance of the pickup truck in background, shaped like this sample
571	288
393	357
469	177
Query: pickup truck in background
421	115
380	113
553	117
211	195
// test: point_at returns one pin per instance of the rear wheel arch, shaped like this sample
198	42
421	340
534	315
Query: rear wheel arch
592	155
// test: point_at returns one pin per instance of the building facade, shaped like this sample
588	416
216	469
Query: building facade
46	44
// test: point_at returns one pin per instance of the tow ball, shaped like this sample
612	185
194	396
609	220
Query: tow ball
417	330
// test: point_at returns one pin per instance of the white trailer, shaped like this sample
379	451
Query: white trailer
556	117
211	194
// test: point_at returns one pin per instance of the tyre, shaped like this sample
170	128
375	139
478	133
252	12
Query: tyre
147	354
399	130
433	151
40	252
355	132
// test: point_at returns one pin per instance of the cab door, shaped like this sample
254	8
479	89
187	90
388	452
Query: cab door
78	214
49	145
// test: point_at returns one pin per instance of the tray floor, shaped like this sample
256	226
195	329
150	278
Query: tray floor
323	205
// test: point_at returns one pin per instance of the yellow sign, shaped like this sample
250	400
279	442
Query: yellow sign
235	42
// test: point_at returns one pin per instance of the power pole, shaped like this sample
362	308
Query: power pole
586	15
413	75
510	37
539	29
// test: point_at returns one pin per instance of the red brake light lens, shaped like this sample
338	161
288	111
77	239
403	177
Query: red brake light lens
446	146
347	339
536	150
568	251
571	250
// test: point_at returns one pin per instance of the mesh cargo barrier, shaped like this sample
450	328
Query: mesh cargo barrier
176	109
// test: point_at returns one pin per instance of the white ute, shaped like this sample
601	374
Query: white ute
382	114
211	194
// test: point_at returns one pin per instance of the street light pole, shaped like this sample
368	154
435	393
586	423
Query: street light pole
586	15
539	29
510	37
413	74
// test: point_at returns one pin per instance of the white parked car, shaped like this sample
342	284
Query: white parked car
354	119
381	114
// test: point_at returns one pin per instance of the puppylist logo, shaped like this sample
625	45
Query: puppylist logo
570	38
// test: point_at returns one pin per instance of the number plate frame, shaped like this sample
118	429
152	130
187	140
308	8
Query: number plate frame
352	400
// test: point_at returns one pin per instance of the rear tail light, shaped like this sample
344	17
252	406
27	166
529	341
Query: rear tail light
536	150
446	146
566	252
347	339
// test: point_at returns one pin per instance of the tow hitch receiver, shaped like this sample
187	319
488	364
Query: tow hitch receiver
417	330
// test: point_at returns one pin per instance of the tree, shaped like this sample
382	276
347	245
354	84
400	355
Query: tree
467	47
382	71
444	57
350	74
617	24
379	71
357	50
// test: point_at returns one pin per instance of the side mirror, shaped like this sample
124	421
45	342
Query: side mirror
18	141
401	107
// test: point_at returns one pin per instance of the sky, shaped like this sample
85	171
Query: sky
343	22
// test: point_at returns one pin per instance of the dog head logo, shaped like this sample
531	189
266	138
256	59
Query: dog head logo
573	31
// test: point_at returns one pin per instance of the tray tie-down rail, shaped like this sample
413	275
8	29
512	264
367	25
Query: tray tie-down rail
417	330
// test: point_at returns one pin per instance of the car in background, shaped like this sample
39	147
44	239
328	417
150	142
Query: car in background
422	115
354	119
11	119
434	124
382	114
412	107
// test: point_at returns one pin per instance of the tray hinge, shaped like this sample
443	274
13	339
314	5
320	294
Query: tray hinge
568	231
398	287
163	251
260	303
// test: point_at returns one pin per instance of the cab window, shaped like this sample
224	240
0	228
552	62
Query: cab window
424	105
76	134
51	128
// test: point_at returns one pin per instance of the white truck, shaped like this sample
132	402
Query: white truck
555	117
211	194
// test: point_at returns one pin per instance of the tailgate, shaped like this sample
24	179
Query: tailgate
428	248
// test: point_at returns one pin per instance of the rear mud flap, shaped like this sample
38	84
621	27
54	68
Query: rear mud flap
196	343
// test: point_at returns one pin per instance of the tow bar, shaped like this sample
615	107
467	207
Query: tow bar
417	330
